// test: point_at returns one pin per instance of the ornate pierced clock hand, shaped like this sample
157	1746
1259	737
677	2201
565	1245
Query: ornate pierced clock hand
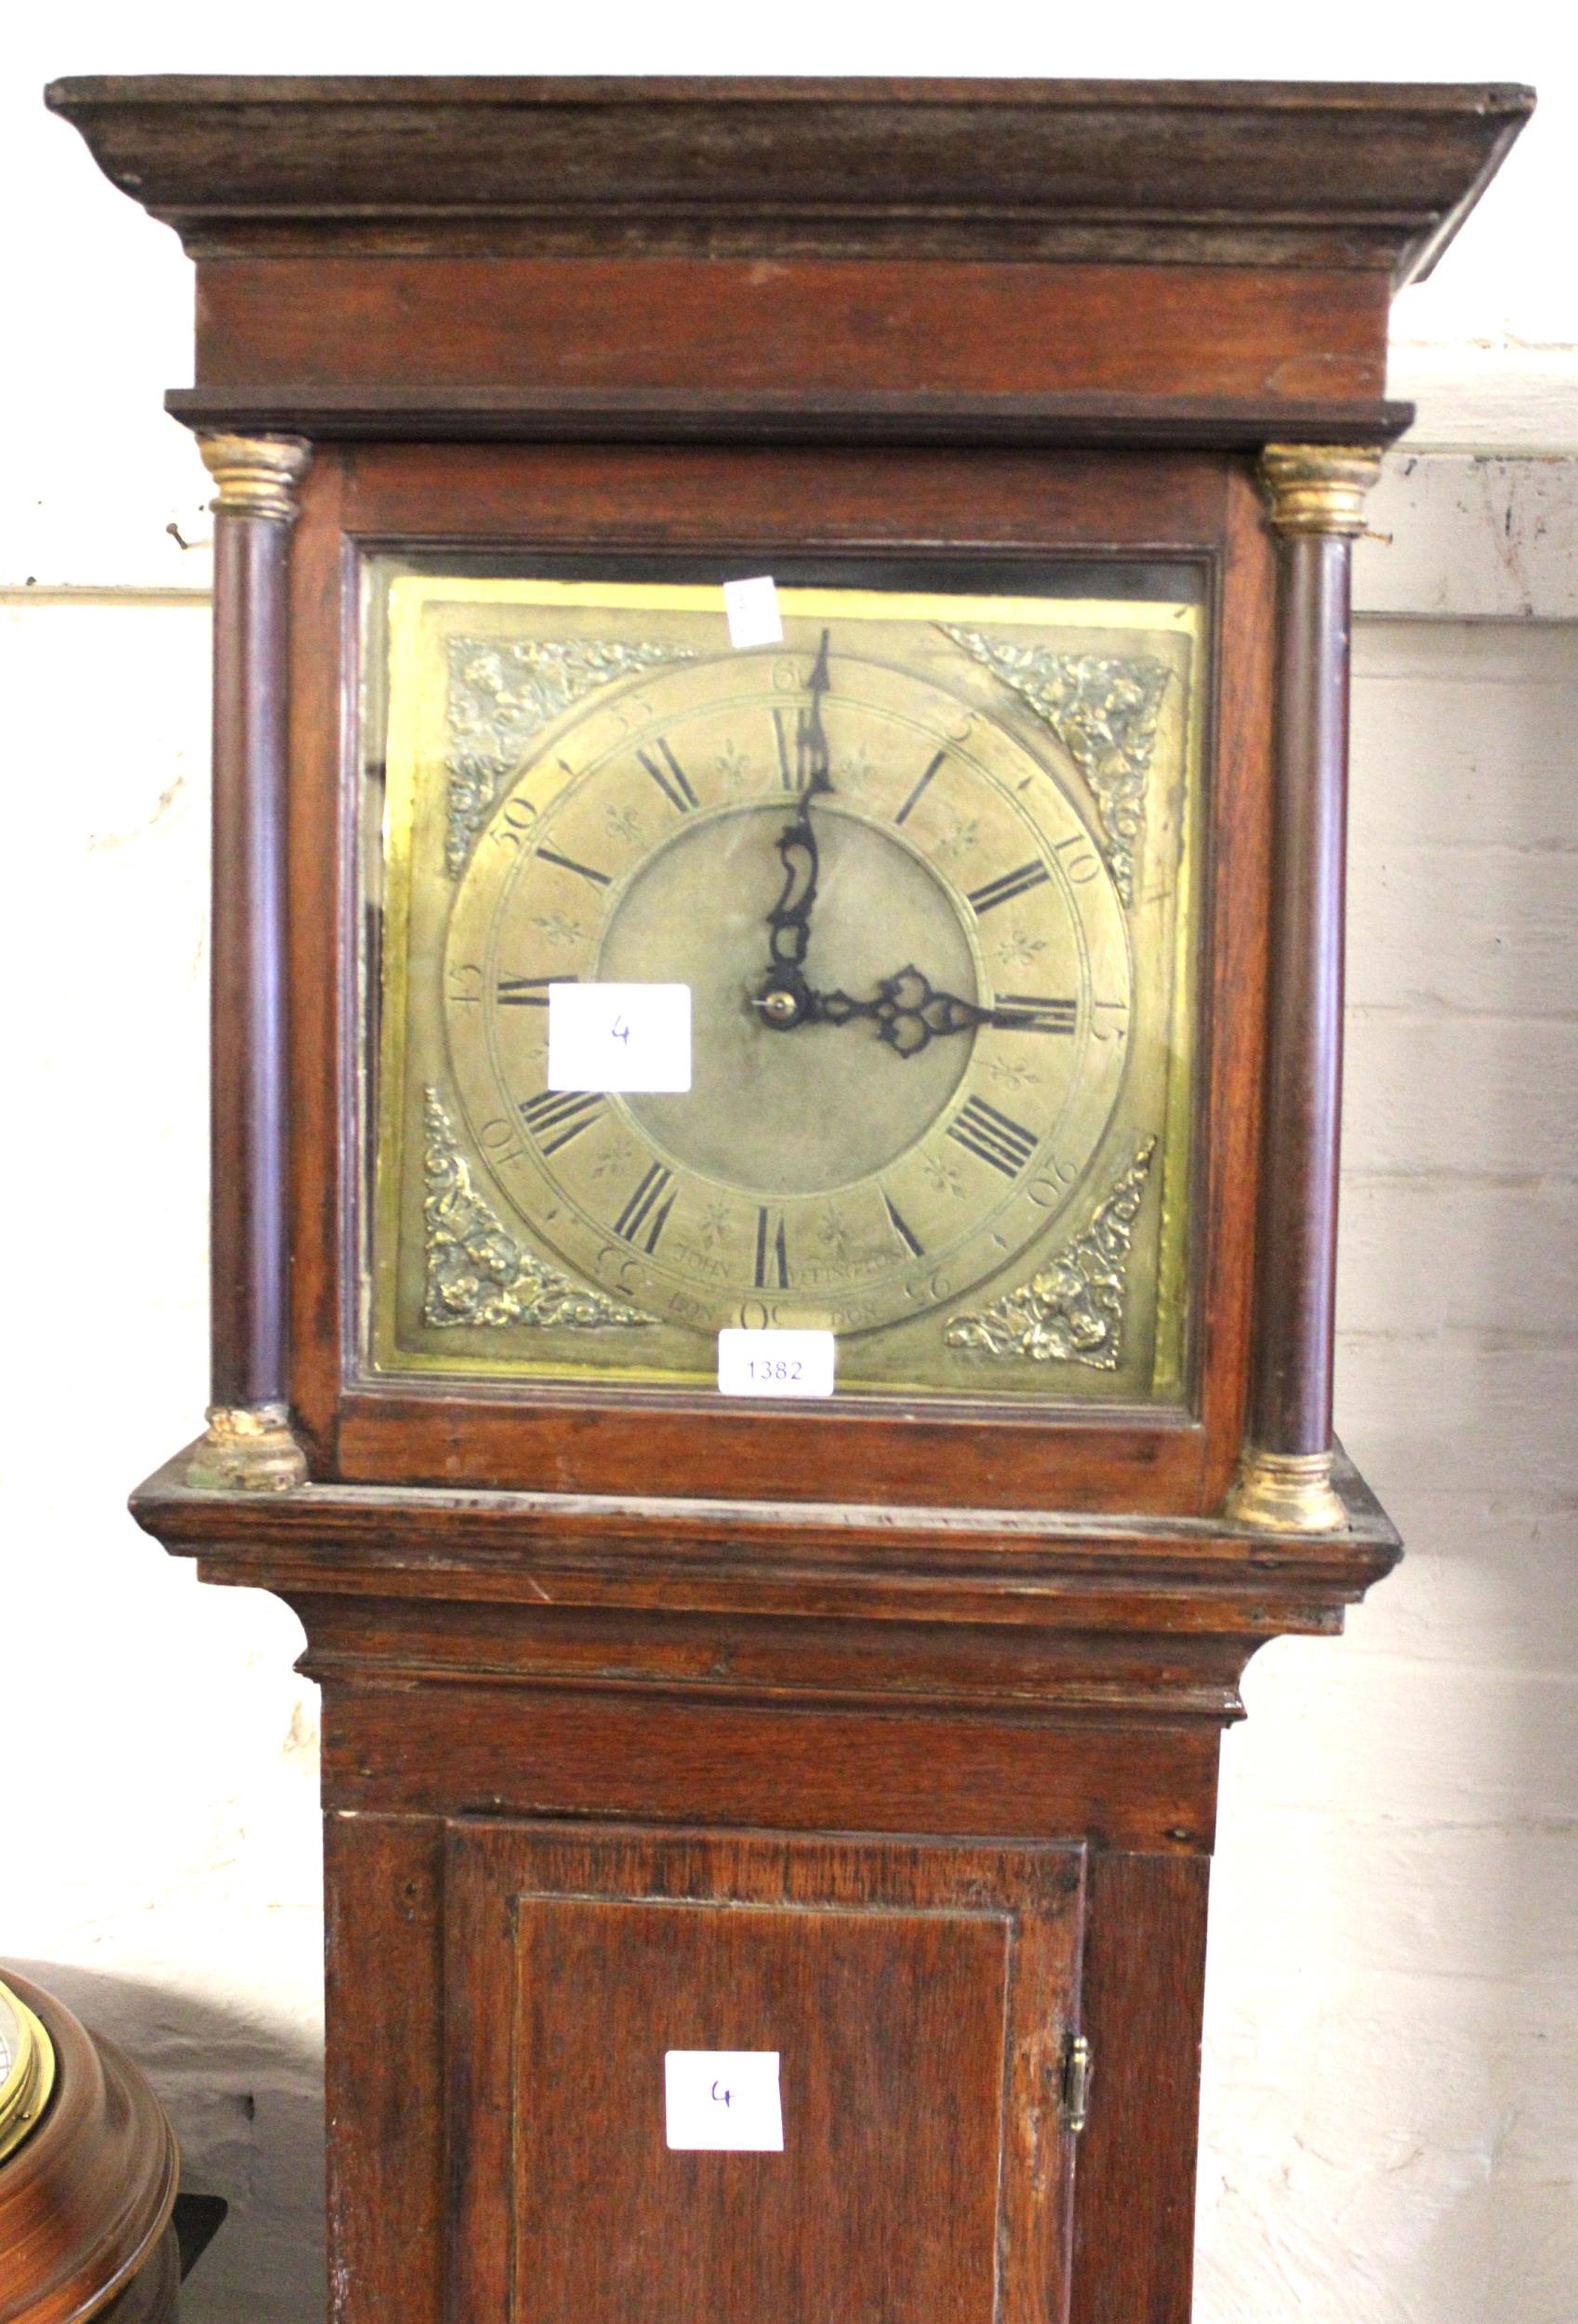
785	997
908	1013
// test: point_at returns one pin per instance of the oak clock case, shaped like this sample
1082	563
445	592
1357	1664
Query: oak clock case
925	868
881	1736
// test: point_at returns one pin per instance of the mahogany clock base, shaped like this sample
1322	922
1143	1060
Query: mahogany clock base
86	2196
915	1805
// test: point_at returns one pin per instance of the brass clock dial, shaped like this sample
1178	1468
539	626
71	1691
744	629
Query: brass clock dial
930	1034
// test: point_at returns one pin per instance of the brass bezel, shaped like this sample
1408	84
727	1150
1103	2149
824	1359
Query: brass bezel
24	2092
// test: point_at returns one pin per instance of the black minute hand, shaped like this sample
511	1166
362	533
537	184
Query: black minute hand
785	999
910	1012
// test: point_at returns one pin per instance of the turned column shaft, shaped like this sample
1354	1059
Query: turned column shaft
1317	496
254	510
1291	1409
247	999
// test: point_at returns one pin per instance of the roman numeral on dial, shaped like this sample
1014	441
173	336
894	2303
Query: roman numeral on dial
584	871
554	1116
912	1242
1028	1012
915	796
1007	885
788	777
772	1255
527	991
1005	1146
647	1213
670	777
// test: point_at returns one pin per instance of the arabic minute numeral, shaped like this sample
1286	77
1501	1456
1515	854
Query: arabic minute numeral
1003	1144
515	819
501	1142
1081	861
1006	885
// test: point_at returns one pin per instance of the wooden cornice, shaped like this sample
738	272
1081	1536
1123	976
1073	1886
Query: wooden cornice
1245	174
1131	264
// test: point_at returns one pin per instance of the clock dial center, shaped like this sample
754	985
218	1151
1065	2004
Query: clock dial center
781	1009
780	1102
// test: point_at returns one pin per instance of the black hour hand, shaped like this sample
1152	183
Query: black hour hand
907	1011
910	1012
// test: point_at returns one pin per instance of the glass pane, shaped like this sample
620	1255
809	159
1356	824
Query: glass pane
923	873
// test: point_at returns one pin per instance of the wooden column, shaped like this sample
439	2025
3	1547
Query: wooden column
1317	499
250	1442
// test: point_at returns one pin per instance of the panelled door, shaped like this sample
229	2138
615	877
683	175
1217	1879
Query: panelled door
636	2019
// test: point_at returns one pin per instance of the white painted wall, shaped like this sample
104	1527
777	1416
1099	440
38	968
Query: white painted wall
1391	2102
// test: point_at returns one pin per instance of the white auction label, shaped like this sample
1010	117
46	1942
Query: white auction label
775	1363
752	609
618	1036
724	2100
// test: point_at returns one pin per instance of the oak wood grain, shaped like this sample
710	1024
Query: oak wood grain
918	1998
818	1658
1144	1981
1234	899
691	413
728	502
1153	1576
1365	175
887	1739
812	326
383	1895
1134	1782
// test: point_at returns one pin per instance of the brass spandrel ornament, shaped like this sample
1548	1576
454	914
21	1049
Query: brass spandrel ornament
1072	1310
1104	708
933	1017
478	1273
501	693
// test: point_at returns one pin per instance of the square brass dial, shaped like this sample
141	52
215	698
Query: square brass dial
927	869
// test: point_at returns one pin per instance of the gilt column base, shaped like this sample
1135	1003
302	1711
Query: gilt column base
249	1448
1286	1493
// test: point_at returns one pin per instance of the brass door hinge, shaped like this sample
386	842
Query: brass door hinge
1078	2065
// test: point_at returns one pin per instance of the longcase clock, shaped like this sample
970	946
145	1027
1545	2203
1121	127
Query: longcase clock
781	674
